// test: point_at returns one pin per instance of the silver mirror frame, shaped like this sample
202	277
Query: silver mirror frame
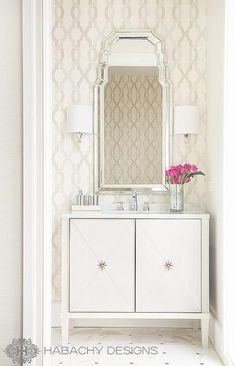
102	78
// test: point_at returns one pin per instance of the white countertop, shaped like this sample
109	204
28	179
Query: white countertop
136	215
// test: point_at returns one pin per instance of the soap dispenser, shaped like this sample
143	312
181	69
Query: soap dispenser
80	197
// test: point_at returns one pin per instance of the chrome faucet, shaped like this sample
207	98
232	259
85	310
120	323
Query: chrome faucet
135	196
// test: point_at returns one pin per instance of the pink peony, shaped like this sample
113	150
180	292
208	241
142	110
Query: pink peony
187	166
169	173
194	168
184	170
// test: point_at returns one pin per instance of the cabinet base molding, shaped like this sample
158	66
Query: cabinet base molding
123	323
203	317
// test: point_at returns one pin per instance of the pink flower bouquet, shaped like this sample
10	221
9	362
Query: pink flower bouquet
181	174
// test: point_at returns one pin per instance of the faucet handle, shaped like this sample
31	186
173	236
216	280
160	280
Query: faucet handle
147	205
121	204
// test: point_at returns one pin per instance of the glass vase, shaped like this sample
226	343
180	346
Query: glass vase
177	197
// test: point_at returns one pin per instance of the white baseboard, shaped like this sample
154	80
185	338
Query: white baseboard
180	323
217	338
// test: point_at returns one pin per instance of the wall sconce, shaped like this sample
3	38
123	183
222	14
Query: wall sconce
186	121
79	120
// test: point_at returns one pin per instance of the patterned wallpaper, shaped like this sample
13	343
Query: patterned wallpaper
133	127
78	29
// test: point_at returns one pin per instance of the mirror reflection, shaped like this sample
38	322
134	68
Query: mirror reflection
132	126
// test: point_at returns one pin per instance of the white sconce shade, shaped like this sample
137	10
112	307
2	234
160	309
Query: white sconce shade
186	120
79	119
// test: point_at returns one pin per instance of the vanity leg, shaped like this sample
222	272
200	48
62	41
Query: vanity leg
65	331
71	325
205	331
196	324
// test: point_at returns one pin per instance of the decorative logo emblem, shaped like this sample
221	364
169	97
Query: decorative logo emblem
21	350
102	265
168	265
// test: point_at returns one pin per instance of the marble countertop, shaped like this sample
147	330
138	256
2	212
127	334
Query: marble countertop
160	213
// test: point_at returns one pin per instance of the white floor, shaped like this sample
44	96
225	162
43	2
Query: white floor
175	347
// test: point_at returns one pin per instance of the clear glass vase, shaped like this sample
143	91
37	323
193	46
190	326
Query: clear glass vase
177	197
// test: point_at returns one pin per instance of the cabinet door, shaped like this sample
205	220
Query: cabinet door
168	277
102	255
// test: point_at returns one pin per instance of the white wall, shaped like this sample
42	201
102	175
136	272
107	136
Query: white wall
228	196
215	88
11	174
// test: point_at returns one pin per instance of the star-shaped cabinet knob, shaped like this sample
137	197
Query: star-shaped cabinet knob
168	265
101	265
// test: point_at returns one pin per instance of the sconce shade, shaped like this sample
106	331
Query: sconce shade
79	119
186	120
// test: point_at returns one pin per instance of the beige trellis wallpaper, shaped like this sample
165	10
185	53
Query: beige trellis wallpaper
133	126
78	29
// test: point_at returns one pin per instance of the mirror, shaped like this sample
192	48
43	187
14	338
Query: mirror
132	114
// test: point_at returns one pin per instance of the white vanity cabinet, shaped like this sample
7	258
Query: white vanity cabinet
135	266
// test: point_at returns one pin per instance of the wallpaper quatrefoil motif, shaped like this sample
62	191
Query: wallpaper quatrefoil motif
79	27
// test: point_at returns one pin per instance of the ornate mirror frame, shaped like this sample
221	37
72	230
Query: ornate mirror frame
99	186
